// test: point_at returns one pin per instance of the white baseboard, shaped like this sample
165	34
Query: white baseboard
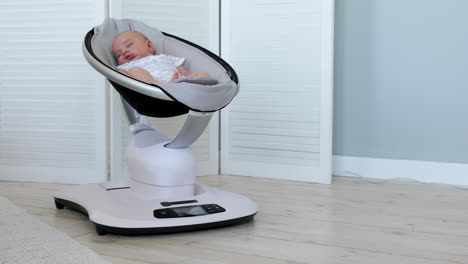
421	171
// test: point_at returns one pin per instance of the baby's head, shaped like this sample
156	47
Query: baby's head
131	45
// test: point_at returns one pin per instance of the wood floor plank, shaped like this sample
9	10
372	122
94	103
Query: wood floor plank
350	221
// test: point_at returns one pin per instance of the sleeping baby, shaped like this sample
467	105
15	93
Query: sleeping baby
136	57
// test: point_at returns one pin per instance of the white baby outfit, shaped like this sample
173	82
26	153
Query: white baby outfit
161	67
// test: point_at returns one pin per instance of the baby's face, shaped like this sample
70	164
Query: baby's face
130	45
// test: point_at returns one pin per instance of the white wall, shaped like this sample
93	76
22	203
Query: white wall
400	90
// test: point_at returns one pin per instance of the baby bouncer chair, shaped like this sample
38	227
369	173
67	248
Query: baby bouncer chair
161	195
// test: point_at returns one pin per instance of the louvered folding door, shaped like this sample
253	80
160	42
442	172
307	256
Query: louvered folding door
193	20
52	103
279	126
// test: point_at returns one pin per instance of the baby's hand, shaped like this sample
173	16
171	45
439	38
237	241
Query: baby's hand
174	77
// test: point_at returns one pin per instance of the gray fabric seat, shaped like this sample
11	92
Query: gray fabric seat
167	99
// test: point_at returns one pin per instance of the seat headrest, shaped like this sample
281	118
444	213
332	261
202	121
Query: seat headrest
105	34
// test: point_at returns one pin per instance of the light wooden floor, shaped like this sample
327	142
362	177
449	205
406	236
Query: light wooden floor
351	221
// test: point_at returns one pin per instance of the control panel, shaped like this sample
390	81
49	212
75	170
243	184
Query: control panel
188	211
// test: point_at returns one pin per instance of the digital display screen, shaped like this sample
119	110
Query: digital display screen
190	211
